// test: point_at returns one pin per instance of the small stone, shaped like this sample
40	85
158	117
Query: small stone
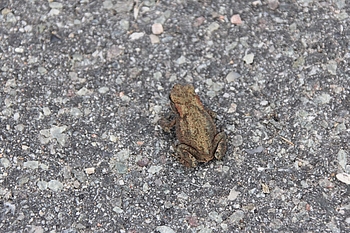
259	149
54	38
332	226
237	140
236	19
136	35
107	5
257	3
80	226
8	103
41	213
182	196
199	21
205	230
217	86
19	127
77	57
46	111
206	185
342	15
123	155
248	58
272	4
232	76
55	185
23	181
121	168
75	112
79	175
16	116
264	103
343	177
113	138
5	11
340	4
76	184
340	128
42	185
342	159
11	83
103	90
265	188
84	91
168	204
113	52
192	220
143	162
215	216
55	5
233	194
304	184
181	60
19	50
54	12
5	162
165	229
42	70
44	166
213	27
332	67
325	183
8	207
124	24
44	136
299	62
125	98
67	172
118	210
324	98
157	75
31	164
154	169
233	108
236	216
231	46
157	29
123	6
28	28
57	133
154	39
90	170
73	76
145	187
11	18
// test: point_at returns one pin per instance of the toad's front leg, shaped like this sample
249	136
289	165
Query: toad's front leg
166	124
220	145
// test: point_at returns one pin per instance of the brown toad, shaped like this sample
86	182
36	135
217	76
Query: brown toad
195	128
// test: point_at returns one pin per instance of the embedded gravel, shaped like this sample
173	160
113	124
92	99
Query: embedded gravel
84	83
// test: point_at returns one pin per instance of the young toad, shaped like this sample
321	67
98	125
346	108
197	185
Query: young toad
195	128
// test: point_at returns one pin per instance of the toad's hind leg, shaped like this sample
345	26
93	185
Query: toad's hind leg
220	145
185	154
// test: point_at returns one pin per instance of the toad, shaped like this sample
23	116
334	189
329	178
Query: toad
195	128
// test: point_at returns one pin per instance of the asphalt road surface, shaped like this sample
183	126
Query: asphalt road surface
84	84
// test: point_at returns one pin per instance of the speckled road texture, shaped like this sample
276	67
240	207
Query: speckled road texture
84	83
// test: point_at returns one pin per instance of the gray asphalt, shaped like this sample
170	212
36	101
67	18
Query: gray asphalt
84	84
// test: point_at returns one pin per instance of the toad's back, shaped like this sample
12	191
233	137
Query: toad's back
195	128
